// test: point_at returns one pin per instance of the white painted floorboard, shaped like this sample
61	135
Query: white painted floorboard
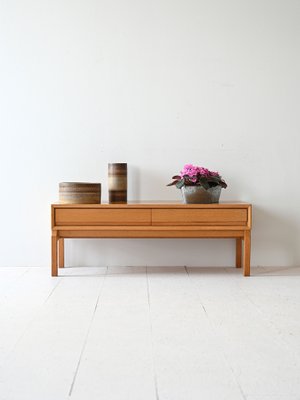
149	334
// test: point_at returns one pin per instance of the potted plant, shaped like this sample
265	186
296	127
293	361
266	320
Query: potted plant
199	185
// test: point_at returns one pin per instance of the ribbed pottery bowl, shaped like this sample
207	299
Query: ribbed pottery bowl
79	193
199	195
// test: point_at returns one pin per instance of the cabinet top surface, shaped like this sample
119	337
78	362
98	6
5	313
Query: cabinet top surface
155	204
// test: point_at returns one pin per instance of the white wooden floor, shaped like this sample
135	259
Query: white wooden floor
149	334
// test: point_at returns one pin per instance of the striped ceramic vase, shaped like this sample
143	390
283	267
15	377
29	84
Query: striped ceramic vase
117	183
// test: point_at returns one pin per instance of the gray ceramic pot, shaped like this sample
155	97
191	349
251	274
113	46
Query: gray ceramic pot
199	195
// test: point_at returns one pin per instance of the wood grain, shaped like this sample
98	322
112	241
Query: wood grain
199	216
61	253
153	220
99	216
79	193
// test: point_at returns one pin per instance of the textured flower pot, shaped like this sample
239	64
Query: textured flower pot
199	195
79	193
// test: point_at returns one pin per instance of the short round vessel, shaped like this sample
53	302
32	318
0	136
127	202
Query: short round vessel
79	193
199	195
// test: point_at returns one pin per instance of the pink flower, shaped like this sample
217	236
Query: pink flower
203	171
192	175
214	173
190	170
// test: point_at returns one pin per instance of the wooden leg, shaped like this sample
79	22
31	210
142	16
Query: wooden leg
61	253
54	254
247	249
238	253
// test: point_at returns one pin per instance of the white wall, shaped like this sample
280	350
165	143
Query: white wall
155	84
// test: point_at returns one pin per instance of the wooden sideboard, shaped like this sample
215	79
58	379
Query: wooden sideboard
152	220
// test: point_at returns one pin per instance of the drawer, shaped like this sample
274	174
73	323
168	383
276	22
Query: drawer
96	216
200	217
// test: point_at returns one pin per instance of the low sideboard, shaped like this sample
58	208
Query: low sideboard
152	220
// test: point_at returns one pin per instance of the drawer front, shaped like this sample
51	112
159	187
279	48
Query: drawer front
237	217
93	216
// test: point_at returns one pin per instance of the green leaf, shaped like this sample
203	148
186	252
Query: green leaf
204	183
223	184
214	179
172	183
180	183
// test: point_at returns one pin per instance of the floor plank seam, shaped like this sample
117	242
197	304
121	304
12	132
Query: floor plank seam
34	317
52	291
152	339
269	324
215	334
87	335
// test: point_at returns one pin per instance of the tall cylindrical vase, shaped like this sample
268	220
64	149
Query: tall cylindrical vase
117	183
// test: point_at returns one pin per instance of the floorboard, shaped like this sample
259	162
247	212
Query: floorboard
150	333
